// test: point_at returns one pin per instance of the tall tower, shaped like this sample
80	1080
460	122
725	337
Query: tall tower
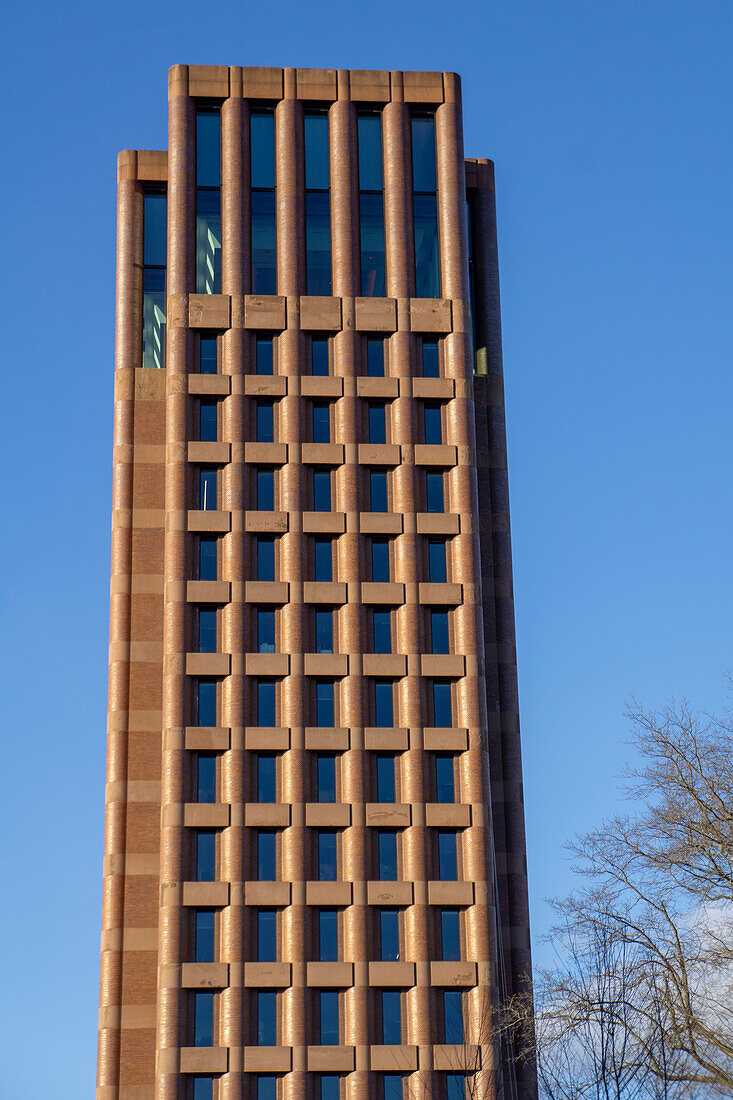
315	876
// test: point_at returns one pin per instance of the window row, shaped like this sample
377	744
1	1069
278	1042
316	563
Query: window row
374	356
388	1086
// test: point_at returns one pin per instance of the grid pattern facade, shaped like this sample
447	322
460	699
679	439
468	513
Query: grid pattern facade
315	876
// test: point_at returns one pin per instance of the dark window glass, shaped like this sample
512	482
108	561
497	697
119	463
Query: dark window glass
377	423
378	491
265	558
208	421
155	235
385	766
391	1017
380	560
371	240
203	1019
427	284
392	1086
208	156
265	703
324	630
262	149
423	154
445	786
208	202
154	298
383	703
207	630
447	855
267	935
319	357
265	630
321	411
433	429
266	1088
265	422
207	489
329	1087
322	490
318	243
453	1016
382	630
207	355
439	631
437	568
266	489
206	703
266	1000
387	855
434	492
375	358
430	359
266	842
455	1086
203	931
323	559
205	855
328	1017
203	1088
389	935
264	243
442	703
370	152
206	777
326	777
315	126
324	703
450	935
207	558
327	855
328	935
266	777
263	355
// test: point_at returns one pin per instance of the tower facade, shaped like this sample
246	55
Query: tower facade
315	877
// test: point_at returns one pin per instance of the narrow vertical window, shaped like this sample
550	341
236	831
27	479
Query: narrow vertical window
265	489
317	205
380	560
371	205
322	490
324	630
326	854
445	782
207	557
378	496
266	777
391	1017
442	704
263	355
207	355
203	932
155	206
265	558
330	1087
207	630
328	1017
392	1086
262	177
453	1016
205	855
387	855
266	935
205	709
266	855
425	207
389	935
430	359
266	1005
385	774
208	201
205	777
375	358
266	703
434	495
325	703
323	559
319	357
203	1019
203	1088
328	935
266	1088
437	561
450	935
326	777
447	855
383	703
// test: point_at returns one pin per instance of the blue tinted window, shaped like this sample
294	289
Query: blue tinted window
423	154
206	777
266	1018
323	559
207	490
430	359
377	423
330	1087
328	935
322	490
205	855
208	149
265	422
450	935
207	558
434	492
265	558
370	152
204	936
208	421
265	630
383	703
267	935
266	777
265	489
437	568
208	242
267	1088
266	856
321	411
155	232
382	627
262	149
318	243
392	1083
263	355
316	151
324	631
391	1018
439	639
154	298
206	703
387	855
389	935
427	277
432	425
455	1086
385	763
203	1019
203	1088
327	855
380	560
264	243
375	358
442	705
324	703
328	1017
207	630
326	777
445	787
265	703
453	1015
378	491
447	855
319	357
207	355
371	241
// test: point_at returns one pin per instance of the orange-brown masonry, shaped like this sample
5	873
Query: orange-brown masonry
315	876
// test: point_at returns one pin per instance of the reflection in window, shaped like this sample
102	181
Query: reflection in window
265	422
317	205
391	1017
265	630
208	201
208	421
387	855
425	207
371	205
155	205
207	489
324	630
328	1017
450	935
389	935
265	699
262	176
432	424
453	1016
321	422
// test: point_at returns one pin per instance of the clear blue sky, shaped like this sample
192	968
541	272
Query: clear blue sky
610	126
